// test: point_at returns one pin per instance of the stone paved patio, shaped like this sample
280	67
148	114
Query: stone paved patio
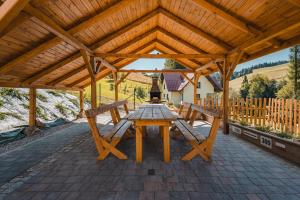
70	171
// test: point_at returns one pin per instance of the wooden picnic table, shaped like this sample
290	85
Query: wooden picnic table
152	115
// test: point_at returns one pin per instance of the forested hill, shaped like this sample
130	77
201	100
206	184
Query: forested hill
249	70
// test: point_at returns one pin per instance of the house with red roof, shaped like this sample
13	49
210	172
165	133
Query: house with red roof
176	88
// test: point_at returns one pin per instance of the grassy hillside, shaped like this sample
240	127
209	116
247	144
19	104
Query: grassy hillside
278	72
126	89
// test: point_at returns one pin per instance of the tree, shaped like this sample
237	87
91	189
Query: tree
244	91
171	64
140	93
286	92
262	87
294	70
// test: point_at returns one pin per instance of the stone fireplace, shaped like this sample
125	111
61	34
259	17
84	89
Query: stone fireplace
155	92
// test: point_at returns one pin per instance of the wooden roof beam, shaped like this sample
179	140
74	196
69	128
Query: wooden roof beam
155	56
178	39
164	71
165	45
229	18
196	30
96	45
66	76
208	65
20	19
295	2
270	34
54	28
120	48
55	41
37	86
9	10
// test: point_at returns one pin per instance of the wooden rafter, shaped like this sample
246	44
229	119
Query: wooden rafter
51	26
155	56
9	10
123	78
164	71
234	64
170	48
190	80
66	76
229	18
55	41
95	46
180	40
270	34
196	30
20	19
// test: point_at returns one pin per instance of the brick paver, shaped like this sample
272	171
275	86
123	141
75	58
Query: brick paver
239	170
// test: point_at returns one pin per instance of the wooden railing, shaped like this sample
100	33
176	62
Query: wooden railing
279	114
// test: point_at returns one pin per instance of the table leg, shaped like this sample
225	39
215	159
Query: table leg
139	143
166	140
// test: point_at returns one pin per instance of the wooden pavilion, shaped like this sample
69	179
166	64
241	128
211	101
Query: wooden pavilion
69	45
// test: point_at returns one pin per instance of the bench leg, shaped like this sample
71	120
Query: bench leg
139	143
166	139
198	149
110	148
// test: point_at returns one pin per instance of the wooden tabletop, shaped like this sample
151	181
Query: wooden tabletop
152	112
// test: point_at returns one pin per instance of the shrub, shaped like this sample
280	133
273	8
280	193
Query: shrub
1	103
42	98
11	92
2	116
15	115
41	113
284	135
266	129
62	109
244	123
54	93
75	102
26	106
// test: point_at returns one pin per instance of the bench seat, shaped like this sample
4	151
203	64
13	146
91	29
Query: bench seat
189	132
117	131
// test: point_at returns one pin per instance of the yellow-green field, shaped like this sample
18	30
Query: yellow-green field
105	89
278	72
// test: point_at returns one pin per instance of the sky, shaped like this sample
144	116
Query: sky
159	63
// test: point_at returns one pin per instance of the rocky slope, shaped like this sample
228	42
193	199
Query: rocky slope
50	106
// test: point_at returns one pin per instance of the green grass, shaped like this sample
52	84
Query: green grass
126	89
62	109
42	98
54	93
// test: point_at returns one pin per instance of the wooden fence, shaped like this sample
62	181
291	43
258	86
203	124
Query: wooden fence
280	114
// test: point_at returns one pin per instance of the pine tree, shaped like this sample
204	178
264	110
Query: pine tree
294	70
171	64
244	91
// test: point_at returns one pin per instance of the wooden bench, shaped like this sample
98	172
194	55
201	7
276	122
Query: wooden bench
201	145
185	110
107	141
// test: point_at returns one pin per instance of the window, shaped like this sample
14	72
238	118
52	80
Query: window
198	96
199	85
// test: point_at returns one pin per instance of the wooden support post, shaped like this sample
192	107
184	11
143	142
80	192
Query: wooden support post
93	93
196	78
81	104
225	105
116	86
32	107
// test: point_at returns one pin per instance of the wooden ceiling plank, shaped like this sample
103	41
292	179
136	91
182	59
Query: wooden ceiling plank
229	18
96	45
196	30
20	19
66	76
295	2
269	34
156	70
155	56
55	41
54	28
9	10
178	39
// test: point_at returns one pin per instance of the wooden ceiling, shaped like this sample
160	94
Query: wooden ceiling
40	40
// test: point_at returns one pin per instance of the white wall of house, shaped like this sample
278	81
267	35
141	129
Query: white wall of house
187	95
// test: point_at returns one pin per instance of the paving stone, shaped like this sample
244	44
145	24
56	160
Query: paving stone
69	170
